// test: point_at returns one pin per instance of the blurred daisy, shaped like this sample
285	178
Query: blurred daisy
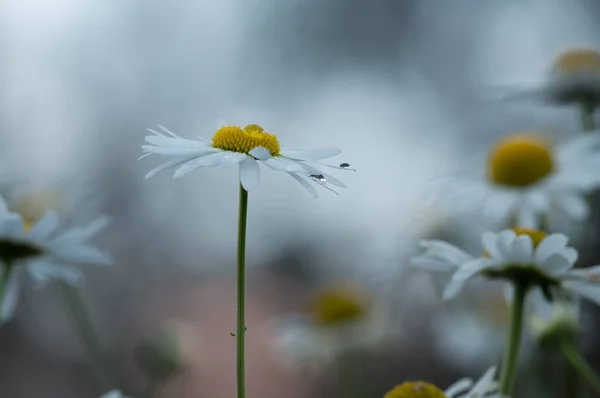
551	323
246	147
43	253
529	182
524	255
113	394
340	318
464	388
574	77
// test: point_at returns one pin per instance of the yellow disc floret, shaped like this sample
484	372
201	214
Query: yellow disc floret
536	236
576	61
333	307
243	140
520	160
415	389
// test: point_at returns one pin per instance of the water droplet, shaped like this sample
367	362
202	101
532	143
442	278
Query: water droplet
344	165
320	178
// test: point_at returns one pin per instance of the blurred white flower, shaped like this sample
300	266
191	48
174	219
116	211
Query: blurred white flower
527	255
464	388
114	394
231	146
530	182
573	78
550	322
43	253
341	318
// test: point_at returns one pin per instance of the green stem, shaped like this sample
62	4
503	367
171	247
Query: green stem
80	318
587	116
8	269
241	293
579	363
511	353
571	381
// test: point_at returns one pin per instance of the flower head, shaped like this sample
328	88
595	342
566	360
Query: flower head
463	388
339	318
553	323
43	252
244	146
529	180
573	77
524	256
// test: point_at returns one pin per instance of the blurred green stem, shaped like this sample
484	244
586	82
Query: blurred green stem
571	381
241	293
8	269
511	351
578	362
587	116
80	319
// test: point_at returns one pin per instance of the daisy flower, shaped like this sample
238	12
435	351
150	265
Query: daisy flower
552	323
529	181
464	388
340	318
525	256
245	147
43	253
574	77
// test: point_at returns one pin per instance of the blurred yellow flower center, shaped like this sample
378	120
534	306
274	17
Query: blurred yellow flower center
575	61
520	160
536	236
334	307
243	140
415	389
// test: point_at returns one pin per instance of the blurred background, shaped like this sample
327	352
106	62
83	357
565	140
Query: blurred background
400	86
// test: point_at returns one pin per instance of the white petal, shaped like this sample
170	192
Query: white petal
522	249
311	154
485	384
458	387
432	264
45	226
249	174
168	142
504	243
178	152
167	165
211	160
81	234
590	274
452	289
445	251
573	204
300	340
587	290
284	164
11	296
556	264
229	159
570	254
538	199
528	216
550	245
530	90
44	271
81	254
472	268
311	190
500	206
13	226
260	153
488	241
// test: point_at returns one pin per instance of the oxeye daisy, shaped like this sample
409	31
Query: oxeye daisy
574	77
246	147
524	256
43	253
339	318
530	182
551	324
464	388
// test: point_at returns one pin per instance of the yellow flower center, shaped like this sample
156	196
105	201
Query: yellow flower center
536	236
576	61
236	139
520	160
32	207
415	389
333	307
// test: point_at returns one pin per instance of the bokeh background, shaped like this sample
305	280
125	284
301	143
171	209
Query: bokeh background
402	86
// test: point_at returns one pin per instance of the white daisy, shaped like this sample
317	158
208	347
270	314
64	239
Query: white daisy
528	256
246	147
341	318
113	394
574	77
464	388
549	322
530	182
43	253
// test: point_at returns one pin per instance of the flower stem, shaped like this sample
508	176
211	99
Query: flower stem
571	381
587	116
81	321
580	365
8	269
241	293
511	353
